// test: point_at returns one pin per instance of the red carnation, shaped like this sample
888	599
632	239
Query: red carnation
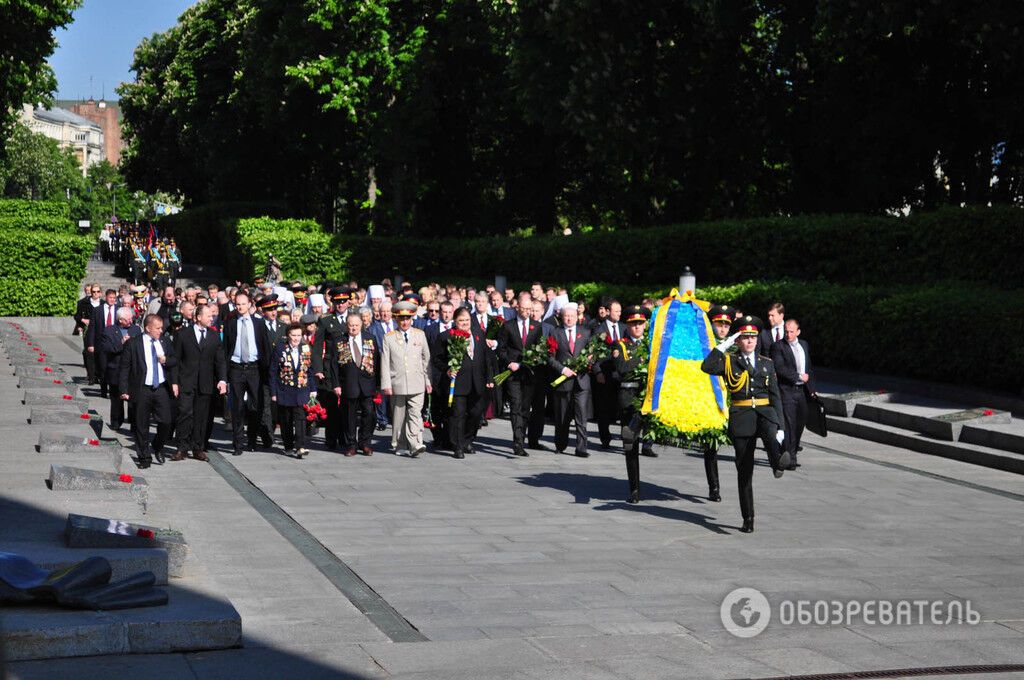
57	382
127	479
67	397
457	333
987	412
609	340
552	345
94	442
40	359
378	399
145	533
47	369
84	416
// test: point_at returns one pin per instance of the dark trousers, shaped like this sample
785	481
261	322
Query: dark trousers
117	407
520	398
464	420
335	434
745	462
538	404
244	380
155	402
293	426
359	420
794	410
439	419
606	405
571	405
190	423
268	414
88	359
711	466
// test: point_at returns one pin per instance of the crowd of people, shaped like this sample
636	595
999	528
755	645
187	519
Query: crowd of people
286	364
138	252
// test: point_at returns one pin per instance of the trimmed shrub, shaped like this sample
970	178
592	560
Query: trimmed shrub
39	255
17	213
38	297
207	234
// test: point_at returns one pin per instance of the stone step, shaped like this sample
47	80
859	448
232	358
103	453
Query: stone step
70	478
124	562
52	398
1005	436
82	531
902	438
47	384
843	404
941	422
52	416
191	621
61	442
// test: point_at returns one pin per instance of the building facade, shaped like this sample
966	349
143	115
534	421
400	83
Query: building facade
71	130
108	116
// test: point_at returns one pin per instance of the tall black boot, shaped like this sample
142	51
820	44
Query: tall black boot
711	470
633	472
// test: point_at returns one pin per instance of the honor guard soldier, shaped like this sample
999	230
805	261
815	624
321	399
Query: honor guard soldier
331	330
629	357
755	409
721	317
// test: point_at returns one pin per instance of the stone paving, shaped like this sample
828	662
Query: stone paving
536	568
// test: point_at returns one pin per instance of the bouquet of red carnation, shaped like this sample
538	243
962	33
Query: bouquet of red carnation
458	345
533	356
494	324
314	411
596	350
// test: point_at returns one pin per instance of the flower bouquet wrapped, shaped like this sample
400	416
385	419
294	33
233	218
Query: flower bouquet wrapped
533	356
597	349
458	345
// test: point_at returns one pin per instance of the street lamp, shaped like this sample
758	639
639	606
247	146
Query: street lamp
113	199
687	281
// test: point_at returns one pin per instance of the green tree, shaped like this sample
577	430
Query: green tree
36	167
26	40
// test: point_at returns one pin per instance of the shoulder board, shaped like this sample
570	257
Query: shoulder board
390	333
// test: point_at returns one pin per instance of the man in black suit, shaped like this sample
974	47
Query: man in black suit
112	342
148	379
439	403
606	383
774	331
83	318
541	384
102	316
792	359
354	374
330	330
472	383
247	351
276	333
573	394
202	372
515	336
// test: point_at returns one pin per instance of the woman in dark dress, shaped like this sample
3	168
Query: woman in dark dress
291	383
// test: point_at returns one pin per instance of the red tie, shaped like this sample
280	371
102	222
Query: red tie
525	326
572	341
110	315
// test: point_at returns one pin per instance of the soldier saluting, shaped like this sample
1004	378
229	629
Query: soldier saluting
755	409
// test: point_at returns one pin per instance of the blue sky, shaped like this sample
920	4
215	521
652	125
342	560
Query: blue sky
100	41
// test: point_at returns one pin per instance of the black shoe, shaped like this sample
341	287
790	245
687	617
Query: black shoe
559	451
159	455
582	454
143	464
236	452
650	453
483	423
469	450
605	446
714	496
748	526
792	467
799	448
381	427
778	473
268	442
519	452
251	447
634	497
536	446
459	454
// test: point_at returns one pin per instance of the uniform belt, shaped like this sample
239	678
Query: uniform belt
630	385
751	402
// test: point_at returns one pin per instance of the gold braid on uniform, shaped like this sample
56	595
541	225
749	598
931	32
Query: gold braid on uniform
625	352
735	383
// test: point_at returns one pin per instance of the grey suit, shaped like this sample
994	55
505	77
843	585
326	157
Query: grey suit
572	397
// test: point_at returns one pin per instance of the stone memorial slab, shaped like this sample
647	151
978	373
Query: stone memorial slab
49	398
844	404
41	371
47	384
58	442
949	426
124	562
54	416
96	532
67	478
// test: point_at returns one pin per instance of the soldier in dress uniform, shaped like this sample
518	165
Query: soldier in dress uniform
276	334
331	330
629	356
755	409
721	317
405	376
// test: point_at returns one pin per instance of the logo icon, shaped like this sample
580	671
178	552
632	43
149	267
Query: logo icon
745	612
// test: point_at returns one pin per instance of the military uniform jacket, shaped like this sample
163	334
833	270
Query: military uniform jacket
745	383
625	358
329	332
405	366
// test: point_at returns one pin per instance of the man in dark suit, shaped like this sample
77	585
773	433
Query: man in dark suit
774	331
102	316
269	306
573	394
515	336
792	359
438	402
330	330
472	383
111	347
755	409
606	383
148	379
202	372
247	351
354	374
541	385
83	318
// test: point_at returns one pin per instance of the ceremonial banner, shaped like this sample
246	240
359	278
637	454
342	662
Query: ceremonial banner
679	395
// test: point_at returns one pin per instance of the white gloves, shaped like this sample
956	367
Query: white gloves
727	343
779	436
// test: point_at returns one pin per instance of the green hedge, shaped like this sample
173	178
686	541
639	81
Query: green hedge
39	255
17	213
974	244
38	297
208	234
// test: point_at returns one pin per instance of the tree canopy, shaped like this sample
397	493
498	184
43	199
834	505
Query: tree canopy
469	117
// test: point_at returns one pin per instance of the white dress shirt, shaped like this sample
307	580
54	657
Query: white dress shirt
147	344
801	360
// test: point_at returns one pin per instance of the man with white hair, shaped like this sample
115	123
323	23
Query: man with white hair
572	396
111	345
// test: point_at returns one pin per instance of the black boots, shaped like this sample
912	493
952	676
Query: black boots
748	526
633	472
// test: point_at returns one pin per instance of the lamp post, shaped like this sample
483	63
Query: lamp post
687	281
